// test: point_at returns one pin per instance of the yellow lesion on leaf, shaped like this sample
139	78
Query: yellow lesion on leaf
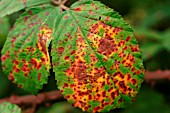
96	78
103	38
44	38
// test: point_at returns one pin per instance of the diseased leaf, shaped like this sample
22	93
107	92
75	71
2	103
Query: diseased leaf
96	58
11	6
25	56
7	107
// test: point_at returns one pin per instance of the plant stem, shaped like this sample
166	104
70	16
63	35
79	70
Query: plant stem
31	99
54	95
61	4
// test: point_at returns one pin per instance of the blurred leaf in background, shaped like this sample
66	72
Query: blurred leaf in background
150	21
61	107
4	29
148	101
4	86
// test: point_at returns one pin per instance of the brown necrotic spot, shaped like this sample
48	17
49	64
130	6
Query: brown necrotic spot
119	74
134	81
106	47
39	76
129	89
110	89
128	60
94	28
104	93
112	95
133	69
128	77
121	43
13	41
128	38
107	18
25	68
25	75
123	87
16	69
34	62
80	71
97	108
20	86
42	59
90	97
60	50
6	56
77	9
11	77
138	72
121	84
15	62
67	97
26	19
65	85
30	12
86	108
73	51
66	57
66	16
134	48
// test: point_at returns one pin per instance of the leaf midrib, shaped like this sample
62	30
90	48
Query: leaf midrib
87	40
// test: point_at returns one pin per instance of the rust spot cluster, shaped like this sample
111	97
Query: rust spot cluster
5	57
93	83
106	44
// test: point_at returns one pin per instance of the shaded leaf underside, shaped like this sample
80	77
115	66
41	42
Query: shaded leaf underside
96	58
11	6
25	56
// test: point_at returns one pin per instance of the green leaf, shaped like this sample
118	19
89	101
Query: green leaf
5	84
25	57
4	28
90	45
62	107
144	103
7	107
11	6
150	49
166	39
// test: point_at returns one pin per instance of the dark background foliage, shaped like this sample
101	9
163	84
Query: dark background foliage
150	20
